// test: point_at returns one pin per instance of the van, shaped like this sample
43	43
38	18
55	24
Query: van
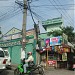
7	56
2	60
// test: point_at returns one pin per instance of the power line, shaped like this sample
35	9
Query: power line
31	13
35	13
69	5
41	12
66	12
37	16
63	12
9	14
58	10
52	8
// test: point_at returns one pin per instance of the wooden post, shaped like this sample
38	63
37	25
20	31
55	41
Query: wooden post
47	60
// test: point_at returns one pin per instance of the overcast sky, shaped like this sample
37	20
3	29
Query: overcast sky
11	14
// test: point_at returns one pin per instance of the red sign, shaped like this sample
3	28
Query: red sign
51	62
55	39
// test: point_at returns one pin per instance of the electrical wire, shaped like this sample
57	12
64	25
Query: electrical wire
41	12
10	14
31	13
66	12
59	11
52	7
69	5
37	16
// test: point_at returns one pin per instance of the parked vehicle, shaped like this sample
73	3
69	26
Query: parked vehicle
2	60
7	56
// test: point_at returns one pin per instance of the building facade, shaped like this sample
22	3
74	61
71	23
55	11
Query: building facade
12	41
55	48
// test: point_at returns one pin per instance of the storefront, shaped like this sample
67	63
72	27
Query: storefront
14	47
55	52
12	41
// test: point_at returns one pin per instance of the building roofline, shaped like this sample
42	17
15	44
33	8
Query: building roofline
11	29
16	33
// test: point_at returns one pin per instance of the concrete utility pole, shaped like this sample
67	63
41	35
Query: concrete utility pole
24	24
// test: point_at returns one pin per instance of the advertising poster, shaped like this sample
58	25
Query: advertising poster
47	41
55	41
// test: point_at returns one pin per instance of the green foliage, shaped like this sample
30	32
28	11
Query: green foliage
67	30
55	33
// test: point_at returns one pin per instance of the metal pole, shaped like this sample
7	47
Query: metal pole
24	24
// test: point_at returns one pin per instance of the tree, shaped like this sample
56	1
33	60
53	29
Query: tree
55	33
67	30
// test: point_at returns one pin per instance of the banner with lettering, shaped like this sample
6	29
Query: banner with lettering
55	41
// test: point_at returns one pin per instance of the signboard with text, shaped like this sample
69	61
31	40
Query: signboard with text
55	41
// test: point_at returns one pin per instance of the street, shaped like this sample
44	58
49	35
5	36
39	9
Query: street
48	72
7	72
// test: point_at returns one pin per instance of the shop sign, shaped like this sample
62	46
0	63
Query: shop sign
55	41
51	62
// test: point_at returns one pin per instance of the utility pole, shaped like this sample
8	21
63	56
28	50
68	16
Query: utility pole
24	24
25	7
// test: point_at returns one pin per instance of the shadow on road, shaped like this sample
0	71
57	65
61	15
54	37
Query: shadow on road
6	72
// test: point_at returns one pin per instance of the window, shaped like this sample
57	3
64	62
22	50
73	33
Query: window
6	53
1	54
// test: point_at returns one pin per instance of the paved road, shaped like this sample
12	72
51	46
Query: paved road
49	72
59	72
7	72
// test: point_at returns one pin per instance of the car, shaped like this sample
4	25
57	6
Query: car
7	56
2	60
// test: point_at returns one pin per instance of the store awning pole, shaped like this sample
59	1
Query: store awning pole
47	60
